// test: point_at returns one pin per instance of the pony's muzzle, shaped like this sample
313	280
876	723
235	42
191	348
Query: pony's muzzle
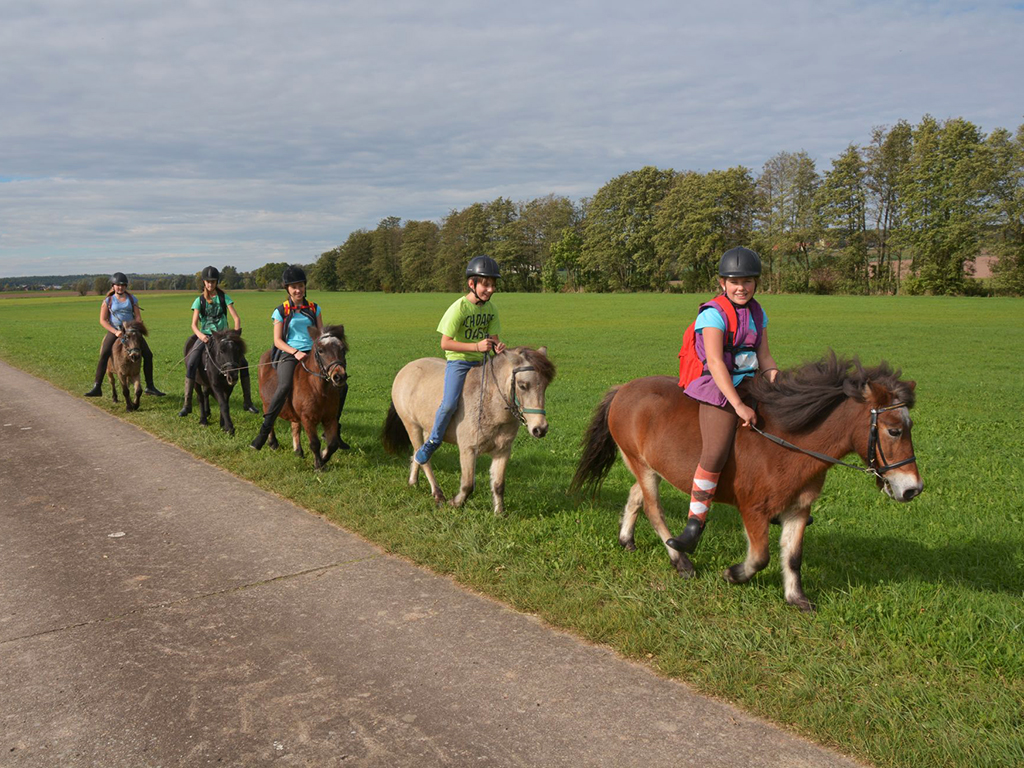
134	356
902	486
338	377
540	430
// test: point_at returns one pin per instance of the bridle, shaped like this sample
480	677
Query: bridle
512	402
210	358
325	370
123	338
873	447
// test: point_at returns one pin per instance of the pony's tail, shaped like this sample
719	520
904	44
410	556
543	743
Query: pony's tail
599	451
393	435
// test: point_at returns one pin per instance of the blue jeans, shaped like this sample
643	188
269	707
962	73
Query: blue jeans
454	379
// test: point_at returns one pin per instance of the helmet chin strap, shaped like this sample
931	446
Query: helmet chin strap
472	289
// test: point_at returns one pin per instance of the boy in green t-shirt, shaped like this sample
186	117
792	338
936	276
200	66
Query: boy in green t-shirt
469	330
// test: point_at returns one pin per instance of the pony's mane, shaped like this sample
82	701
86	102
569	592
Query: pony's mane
802	396
231	335
336	332
138	325
541	363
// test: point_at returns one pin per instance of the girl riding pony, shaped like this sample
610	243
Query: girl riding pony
210	313
118	308
732	351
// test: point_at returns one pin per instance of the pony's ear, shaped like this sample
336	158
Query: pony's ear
876	395
314	332
543	351
911	385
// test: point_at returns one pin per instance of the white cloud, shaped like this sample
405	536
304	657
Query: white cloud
233	132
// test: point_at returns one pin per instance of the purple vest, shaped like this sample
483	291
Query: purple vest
703	388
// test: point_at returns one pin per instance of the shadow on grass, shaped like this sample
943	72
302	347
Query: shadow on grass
982	564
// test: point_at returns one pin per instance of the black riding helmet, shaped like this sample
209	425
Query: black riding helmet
211	273
483	266
739	262
118	278
292	274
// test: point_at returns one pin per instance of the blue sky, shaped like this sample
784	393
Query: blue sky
161	137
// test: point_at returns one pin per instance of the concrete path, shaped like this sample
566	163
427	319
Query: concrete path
242	630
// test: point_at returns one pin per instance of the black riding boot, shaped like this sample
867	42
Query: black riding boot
246	391
265	430
189	386
341	406
96	391
689	538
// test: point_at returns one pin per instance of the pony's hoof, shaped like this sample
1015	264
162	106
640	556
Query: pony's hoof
184	412
684	567
342	445
629	545
249	408
733	574
803	604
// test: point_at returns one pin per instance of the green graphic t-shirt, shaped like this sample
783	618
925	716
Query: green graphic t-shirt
468	322
216	317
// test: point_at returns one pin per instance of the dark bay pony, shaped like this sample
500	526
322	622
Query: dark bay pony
126	362
832	406
316	399
219	369
499	396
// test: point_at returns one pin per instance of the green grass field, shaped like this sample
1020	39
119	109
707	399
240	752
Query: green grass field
915	657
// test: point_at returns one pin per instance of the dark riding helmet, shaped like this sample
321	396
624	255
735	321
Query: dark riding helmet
211	273
739	262
118	278
292	274
482	266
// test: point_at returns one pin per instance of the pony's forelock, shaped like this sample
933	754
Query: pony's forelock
541	363
337	333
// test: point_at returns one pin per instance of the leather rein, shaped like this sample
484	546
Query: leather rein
873	446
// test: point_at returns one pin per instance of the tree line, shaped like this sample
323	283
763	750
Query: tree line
907	212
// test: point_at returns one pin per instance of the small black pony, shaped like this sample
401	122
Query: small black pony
222	360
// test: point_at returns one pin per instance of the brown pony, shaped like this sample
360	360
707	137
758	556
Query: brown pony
126	361
833	407
315	397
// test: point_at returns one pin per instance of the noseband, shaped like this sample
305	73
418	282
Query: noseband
873	445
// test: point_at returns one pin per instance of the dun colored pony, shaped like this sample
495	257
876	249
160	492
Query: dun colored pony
126	362
504	392
219	368
833	407
315	399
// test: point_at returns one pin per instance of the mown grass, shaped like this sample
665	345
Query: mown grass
915	656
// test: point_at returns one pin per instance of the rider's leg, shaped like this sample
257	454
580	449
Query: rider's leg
195	355
246	388
342	395
717	431
454	378
285	371
147	369
106	348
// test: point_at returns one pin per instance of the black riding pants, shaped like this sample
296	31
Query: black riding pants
194	358
107	349
285	372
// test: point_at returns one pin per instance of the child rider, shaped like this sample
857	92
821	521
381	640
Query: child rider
210	313
469	330
726	367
